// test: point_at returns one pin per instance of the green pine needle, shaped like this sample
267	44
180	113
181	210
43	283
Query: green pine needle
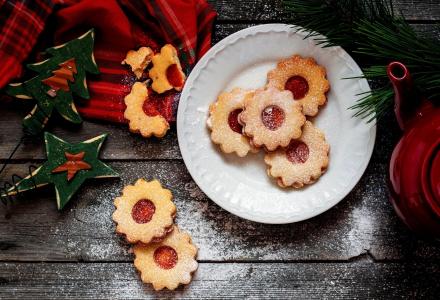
371	31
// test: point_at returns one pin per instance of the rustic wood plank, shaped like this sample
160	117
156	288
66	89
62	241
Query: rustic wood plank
361	279
415	10
120	143
223	30
364	222
249	10
362	231
272	11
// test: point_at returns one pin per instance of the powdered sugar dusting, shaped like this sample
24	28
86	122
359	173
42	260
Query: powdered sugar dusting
84	231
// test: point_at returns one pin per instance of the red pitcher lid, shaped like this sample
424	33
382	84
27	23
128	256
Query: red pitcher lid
431	178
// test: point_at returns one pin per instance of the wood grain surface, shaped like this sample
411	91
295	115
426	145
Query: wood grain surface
363	279
358	249
271	11
362	223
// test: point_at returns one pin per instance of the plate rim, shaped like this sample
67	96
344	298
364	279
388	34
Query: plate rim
183	102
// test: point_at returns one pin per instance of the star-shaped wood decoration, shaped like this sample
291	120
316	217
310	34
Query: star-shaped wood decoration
79	160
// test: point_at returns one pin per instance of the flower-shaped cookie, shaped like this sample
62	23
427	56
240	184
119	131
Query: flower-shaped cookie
144	212
139	119
302	162
226	131
138	60
168	263
271	118
166	72
304	78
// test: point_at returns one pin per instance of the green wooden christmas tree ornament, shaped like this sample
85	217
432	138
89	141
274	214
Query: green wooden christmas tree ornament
59	76
67	167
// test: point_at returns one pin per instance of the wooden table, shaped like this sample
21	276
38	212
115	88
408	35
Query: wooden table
357	249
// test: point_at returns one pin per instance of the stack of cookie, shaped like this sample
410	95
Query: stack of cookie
143	101
274	118
164	255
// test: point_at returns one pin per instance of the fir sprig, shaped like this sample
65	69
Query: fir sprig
371	31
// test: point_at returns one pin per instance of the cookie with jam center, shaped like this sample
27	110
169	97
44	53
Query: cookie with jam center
147	122
304	78
226	130
169	263
271	118
302	162
145	212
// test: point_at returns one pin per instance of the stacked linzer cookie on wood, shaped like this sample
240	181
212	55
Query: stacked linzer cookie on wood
274	118
164	255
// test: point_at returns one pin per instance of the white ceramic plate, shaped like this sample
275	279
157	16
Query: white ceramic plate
240	185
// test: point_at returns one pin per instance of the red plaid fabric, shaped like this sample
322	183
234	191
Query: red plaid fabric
122	25
20	24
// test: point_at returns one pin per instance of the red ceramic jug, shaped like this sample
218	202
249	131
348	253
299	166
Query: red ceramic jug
415	162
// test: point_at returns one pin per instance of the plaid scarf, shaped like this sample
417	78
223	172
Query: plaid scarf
21	22
120	25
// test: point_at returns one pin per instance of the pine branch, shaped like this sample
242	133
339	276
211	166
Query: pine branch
375	36
336	18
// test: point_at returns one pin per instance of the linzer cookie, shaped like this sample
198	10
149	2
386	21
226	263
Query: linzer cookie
304	78
144	212
138	60
166	72
169	263
271	118
226	131
302	162
147	122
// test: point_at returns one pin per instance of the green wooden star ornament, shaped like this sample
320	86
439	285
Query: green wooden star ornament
67	167
59	76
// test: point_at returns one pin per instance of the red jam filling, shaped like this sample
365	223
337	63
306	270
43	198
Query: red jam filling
272	117
153	106
143	211
298	86
165	257
297	152
233	121
174	76
160	104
